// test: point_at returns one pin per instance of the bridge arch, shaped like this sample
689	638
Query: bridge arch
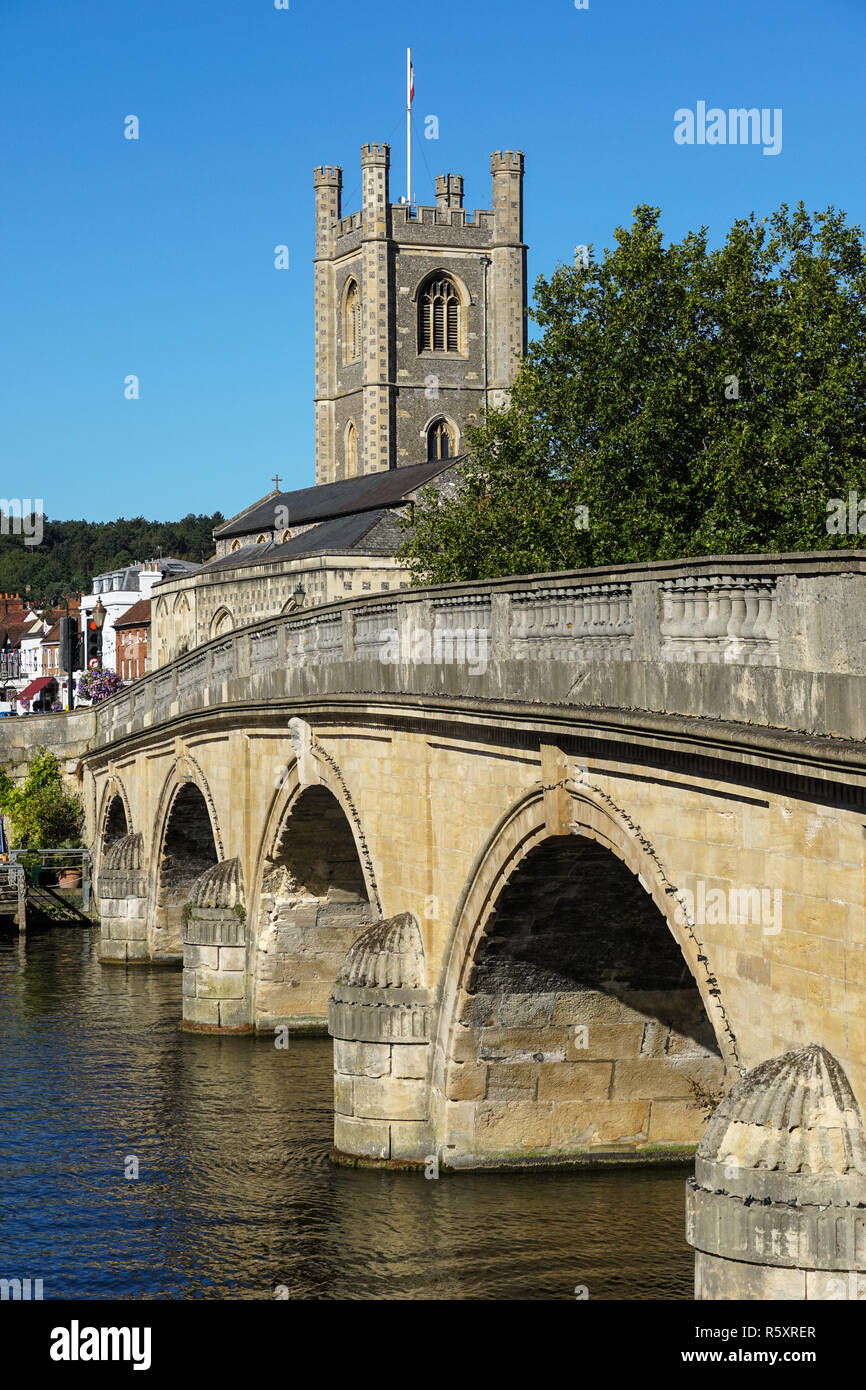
186	842
575	1012
114	819
313	894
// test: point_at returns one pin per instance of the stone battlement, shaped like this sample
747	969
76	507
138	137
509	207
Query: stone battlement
510	161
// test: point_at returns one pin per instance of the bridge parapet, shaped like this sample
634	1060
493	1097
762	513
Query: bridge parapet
717	618
778	641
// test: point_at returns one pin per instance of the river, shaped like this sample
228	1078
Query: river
235	1196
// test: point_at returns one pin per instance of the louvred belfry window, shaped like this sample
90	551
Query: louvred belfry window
440	318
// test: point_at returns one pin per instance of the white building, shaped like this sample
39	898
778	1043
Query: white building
118	590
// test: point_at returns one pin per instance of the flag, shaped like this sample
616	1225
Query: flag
411	79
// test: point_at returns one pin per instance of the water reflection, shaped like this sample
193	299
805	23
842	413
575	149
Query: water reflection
236	1195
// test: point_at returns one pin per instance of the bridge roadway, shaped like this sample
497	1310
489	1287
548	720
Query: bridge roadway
552	857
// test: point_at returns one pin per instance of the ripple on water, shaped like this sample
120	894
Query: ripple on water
236	1194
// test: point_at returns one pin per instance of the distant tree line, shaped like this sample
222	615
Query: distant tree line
72	552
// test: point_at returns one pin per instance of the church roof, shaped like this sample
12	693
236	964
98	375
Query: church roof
326	500
365	533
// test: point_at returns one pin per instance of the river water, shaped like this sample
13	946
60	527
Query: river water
236	1197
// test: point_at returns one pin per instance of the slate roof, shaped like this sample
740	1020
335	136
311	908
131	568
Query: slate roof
168	565
326	500
136	616
363	533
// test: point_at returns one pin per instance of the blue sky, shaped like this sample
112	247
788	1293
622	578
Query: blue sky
155	257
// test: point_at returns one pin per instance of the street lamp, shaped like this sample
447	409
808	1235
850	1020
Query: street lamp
299	595
98	614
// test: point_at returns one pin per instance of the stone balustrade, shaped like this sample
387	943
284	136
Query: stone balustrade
778	641
720	618
594	621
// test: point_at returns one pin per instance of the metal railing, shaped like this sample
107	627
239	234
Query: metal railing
53	865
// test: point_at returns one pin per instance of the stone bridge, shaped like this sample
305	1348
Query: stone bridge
554	858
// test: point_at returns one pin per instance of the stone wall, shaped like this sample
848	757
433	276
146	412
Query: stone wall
312	907
379	1018
216	983
582	1031
67	736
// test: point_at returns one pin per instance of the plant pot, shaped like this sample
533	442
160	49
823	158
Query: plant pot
69	878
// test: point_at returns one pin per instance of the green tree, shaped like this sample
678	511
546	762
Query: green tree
42	813
693	401
72	552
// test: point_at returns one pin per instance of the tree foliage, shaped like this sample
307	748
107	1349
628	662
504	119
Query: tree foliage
72	552
693	401
42	813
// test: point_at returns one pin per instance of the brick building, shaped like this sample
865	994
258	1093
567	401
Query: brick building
132	638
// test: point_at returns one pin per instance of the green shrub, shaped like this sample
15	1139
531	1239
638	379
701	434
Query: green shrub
41	812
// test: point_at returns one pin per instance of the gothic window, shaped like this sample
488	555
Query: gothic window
236	545
439	318
351	450
222	622
441	440
352	322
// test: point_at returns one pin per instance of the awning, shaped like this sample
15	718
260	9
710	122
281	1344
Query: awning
35	686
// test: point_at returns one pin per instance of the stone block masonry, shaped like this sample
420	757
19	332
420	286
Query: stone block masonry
379	1017
567	1011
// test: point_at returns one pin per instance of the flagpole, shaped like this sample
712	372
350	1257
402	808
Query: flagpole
409	126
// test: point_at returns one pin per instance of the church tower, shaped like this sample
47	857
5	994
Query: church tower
420	316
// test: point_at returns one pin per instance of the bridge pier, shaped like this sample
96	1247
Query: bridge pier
122	888
776	1207
217	988
379	1018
